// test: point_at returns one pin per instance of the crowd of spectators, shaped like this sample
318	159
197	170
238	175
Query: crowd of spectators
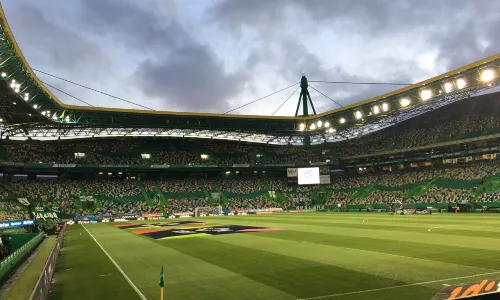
259	202
180	186
408	136
185	205
115	209
112	188
242	186
12	212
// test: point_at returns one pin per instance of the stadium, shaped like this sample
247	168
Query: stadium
392	197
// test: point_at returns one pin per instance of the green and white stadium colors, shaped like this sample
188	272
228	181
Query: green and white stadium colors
313	256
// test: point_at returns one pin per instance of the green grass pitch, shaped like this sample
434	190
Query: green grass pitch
315	256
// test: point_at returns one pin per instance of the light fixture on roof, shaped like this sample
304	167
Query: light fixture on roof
312	126
302	126
35	106
26	96
461	83
4	74
358	114
342	120
448	86
404	102
487	75
327	124
376	109
425	94
385	107
319	124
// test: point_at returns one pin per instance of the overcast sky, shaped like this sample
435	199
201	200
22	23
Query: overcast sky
214	55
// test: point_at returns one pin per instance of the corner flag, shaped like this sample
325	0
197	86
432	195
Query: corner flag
162	283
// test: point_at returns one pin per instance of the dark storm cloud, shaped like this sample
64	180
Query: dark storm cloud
455	28
179	71
61	46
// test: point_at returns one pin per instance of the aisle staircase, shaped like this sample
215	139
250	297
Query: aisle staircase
163	199
145	195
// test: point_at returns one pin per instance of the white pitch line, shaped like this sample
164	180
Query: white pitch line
398	286
442	226
117	266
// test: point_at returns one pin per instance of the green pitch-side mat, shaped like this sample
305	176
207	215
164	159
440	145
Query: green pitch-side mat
197	229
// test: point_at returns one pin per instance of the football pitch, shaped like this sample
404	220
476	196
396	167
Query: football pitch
279	256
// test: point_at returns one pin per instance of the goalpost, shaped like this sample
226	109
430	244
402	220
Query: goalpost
207	210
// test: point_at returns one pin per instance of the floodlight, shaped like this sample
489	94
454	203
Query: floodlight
487	75
425	94
1	120
358	114
302	126
35	106
319	123
4	74
327	124
385	106
110	173
66	119
26	96
312	126
461	83
404	102
448	86
342	120
228	172
376	109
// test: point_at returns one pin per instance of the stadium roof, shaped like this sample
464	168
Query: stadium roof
28	106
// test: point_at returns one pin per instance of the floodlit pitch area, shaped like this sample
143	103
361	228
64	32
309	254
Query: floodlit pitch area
311	256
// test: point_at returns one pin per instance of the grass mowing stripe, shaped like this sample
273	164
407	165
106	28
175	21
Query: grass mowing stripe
299	277
485	259
84	272
400	286
186	277
117	266
396	226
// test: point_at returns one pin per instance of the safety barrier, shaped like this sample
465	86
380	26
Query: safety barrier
41	290
14	259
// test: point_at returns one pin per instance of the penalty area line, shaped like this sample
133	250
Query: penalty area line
117	266
398	286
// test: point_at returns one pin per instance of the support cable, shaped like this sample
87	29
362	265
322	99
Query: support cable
352	82
57	89
92	89
326	96
260	99
286	100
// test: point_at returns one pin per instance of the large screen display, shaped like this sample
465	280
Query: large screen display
308	176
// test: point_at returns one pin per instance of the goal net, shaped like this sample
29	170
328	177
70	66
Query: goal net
207	211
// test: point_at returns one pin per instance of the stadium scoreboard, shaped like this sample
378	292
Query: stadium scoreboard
308	176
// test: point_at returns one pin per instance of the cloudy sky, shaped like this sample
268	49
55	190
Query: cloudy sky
214	55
